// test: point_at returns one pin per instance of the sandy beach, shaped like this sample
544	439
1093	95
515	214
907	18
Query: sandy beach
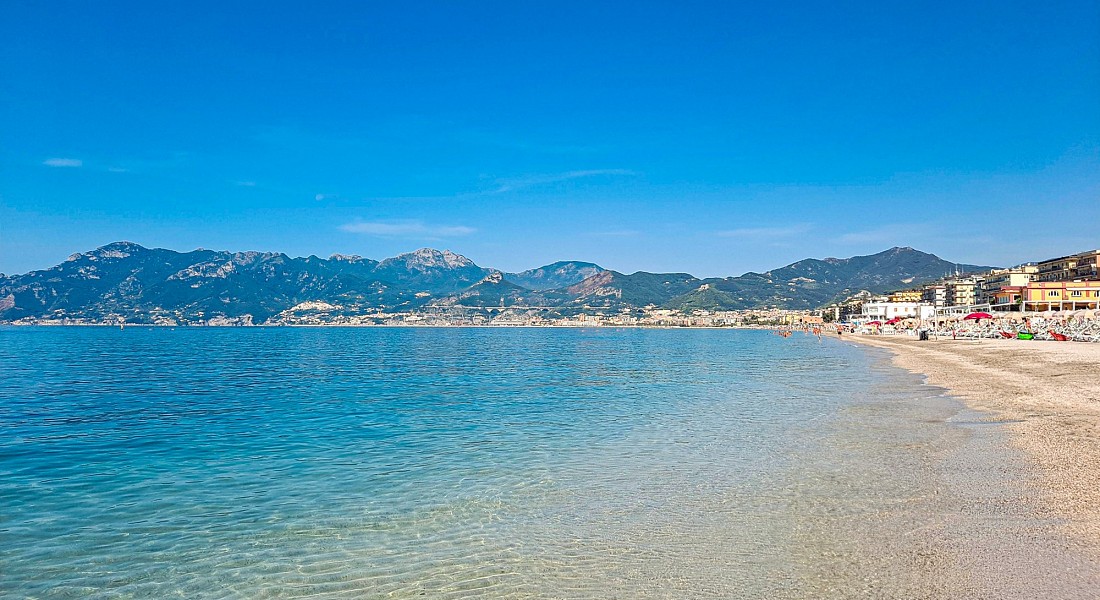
1046	394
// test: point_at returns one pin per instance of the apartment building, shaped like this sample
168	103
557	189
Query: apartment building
936	295
961	291
1086	265
1016	277
906	296
1060	269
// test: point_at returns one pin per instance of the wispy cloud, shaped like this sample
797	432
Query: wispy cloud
407	229
767	233
63	162
519	183
245	183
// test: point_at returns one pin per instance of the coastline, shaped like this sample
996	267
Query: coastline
388	325
1045	395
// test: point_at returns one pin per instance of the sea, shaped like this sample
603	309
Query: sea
156	462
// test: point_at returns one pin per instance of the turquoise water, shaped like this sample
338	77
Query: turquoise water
379	462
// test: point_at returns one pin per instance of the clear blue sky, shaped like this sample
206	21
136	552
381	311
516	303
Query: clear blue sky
710	138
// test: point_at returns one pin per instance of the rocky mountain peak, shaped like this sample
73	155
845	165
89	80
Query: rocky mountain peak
251	256
109	251
588	285
430	258
123	245
556	275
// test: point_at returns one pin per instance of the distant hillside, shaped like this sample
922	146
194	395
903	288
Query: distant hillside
558	275
611	289
493	290
812	282
127	282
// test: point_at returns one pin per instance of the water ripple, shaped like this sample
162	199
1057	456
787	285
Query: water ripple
302	463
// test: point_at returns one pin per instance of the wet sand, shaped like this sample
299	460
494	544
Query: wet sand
1039	494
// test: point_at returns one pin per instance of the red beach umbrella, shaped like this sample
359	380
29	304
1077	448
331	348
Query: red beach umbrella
875	323
978	315
894	320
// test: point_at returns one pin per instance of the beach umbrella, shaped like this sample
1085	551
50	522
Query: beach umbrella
977	316
875	323
894	320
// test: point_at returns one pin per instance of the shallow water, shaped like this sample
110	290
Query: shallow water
379	462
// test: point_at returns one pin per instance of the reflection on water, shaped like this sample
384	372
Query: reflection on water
466	463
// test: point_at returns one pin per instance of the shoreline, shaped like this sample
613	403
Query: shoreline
394	326
1044	395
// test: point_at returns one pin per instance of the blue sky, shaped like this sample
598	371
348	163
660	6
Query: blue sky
710	138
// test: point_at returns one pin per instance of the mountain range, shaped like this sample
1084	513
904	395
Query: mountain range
124	281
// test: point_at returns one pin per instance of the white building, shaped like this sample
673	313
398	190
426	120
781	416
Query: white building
884	311
935	295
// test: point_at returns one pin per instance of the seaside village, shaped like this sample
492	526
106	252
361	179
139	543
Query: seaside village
1052	299
1057	299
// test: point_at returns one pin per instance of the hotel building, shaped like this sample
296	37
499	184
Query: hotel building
1086	265
1001	278
1061	295
1065	268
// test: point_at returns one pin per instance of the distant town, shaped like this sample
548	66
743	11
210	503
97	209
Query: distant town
1066	283
1057	285
1062	284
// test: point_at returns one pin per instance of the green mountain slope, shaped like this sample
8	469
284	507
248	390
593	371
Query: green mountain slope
125	281
553	276
812	283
